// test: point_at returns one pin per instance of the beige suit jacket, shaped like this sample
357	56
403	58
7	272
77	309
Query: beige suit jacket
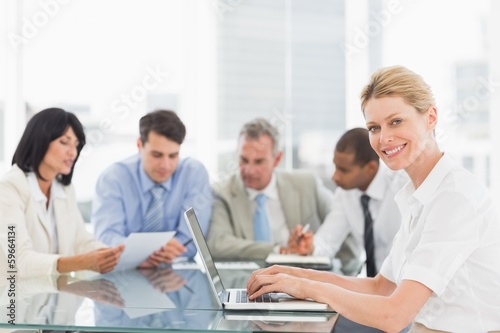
32	237
303	199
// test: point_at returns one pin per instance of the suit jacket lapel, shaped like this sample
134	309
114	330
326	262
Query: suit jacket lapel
41	217
31	203
290	201
61	214
243	216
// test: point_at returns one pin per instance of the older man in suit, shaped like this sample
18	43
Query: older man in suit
254	210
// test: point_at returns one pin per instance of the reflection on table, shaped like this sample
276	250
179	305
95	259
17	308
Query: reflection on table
39	302
277	321
158	299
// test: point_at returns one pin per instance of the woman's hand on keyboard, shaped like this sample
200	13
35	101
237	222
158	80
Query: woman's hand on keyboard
277	279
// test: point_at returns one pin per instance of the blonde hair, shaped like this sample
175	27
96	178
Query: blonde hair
398	81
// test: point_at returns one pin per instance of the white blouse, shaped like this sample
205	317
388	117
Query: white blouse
449	241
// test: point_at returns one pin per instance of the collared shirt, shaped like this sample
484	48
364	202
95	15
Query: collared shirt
449	241
276	217
347	216
56	192
123	196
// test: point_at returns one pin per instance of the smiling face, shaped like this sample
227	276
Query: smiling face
60	156
160	156
257	161
399	134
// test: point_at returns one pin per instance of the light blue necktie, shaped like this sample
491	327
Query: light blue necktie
260	223
154	216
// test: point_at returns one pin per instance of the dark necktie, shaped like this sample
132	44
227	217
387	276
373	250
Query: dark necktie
371	269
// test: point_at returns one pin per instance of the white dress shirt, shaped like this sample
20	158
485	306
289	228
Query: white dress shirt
279	232
347	216
56	191
449	241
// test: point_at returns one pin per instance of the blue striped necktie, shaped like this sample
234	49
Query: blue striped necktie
154	216
260	222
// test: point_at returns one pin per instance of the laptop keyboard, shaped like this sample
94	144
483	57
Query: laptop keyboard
241	297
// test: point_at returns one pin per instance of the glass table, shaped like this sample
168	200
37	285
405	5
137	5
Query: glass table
178	299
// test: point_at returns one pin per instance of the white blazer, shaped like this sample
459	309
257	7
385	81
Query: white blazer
32	237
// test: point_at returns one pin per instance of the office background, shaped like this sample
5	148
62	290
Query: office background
218	63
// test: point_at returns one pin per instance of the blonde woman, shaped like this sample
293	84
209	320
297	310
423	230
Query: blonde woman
443	272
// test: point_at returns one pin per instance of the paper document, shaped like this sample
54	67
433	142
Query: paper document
317	262
139	246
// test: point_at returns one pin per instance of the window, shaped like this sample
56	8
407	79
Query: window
219	63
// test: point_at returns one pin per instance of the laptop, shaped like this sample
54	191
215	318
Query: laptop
236	299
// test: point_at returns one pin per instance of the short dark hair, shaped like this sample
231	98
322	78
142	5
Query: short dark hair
357	141
43	128
163	122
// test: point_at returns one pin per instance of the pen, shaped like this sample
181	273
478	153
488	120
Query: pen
189	289
186	243
304	230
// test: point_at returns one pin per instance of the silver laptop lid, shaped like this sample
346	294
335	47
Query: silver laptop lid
204	252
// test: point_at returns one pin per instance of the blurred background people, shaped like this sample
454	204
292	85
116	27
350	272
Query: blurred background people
363	204
38	205
255	209
149	191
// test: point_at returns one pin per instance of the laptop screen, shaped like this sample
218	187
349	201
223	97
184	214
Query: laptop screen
203	250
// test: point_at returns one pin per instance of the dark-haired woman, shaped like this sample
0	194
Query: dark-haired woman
38	207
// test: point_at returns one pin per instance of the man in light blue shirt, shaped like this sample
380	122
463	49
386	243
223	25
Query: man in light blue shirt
149	191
